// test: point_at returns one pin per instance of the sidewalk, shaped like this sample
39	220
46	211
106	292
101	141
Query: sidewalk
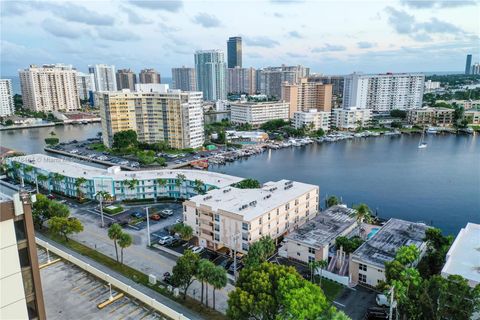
157	296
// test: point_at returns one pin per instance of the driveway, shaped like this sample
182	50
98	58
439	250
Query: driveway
355	301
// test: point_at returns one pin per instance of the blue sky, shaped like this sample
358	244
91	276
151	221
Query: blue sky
331	37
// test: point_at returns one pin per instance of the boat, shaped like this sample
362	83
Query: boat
432	130
422	144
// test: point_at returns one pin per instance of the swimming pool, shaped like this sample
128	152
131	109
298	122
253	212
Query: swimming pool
372	232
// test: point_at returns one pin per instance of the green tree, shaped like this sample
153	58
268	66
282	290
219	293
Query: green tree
44	209
270	291
114	233
259	251
406	255
57	179
179	182
183	273
9	122
437	248
52	141
65	226
248	183
349	245
42	179
396	113
362	214
332	201
199	186
218	280
131	184
125	240
273	125
125	139
185	231
79	182
203	274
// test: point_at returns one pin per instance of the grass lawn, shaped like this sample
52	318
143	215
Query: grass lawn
135	275
98	147
113	210
331	288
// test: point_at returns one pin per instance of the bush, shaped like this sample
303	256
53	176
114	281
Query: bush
112	210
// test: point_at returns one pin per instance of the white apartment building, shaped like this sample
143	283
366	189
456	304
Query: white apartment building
85	84
431	85
312	118
184	79
350	119
172	116
257	113
241	80
383	92
472	116
50	88
104	77
210	70
7	107
235	218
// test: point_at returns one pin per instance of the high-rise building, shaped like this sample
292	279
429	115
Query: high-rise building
210	70
6	98
184	79
126	79
336	82
468	64
149	76
384	92
306	95
272	78
257	113
104	77
85	84
241	80
20	284
234	52
172	116
50	88
476	69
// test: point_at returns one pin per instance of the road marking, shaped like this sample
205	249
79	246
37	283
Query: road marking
340	304
49	263
108	301
120	307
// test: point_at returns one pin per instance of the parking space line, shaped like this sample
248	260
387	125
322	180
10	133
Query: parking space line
127	301
90	290
108	301
149	312
135	310
100	294
340	304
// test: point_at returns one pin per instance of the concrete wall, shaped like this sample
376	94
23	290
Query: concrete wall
374	274
163	309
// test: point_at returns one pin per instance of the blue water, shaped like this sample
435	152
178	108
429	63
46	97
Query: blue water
439	185
372	233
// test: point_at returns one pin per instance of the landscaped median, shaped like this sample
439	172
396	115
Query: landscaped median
133	274
113	210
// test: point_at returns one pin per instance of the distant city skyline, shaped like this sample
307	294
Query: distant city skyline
398	36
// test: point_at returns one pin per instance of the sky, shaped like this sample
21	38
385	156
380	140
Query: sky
330	37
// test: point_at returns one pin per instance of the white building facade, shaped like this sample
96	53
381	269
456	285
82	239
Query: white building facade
7	107
85	84
50	88
350	119
312	119
104	77
257	113
210	69
383	92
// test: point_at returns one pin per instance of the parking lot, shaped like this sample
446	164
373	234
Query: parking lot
71	293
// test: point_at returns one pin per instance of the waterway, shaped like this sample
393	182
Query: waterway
439	185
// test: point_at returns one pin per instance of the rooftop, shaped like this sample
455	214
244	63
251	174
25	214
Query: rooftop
77	170
463	258
252	203
383	246
325	227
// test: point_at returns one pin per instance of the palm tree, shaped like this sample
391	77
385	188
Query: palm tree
161	183
124	241
218	280
57	178
114	233
203	270
180	179
132	184
362	214
78	184
199	186
16	170
102	195
41	178
322	264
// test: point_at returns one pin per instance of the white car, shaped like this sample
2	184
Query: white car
165	240
167	212
382	300
198	250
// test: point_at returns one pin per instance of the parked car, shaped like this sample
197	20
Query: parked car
137	214
239	266
167	212
198	250
155	217
376	313
51	196
165	240
382	300
167	278
179	221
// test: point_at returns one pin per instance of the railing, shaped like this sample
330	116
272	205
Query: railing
151	302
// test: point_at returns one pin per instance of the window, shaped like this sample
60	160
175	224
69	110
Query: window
269	216
184	208
217	217
20	230
260	221
362	267
311	250
362	278
217	237
287	206
245	226
296	202
245	246
308	196
196	221
217	227
24	259
298	254
311	259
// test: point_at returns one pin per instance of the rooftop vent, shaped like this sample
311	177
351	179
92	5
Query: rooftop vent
207	198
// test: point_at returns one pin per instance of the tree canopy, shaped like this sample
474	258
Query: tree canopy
349	245
65	226
259	251
45	209
125	139
248	183
185	270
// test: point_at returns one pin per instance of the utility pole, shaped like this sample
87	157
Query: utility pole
390	315
36	183
101	208
235	255
148	227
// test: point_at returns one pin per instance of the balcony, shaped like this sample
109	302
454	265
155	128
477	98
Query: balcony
206	217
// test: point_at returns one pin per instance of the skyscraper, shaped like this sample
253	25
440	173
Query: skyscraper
104	77
50	88
149	76
85	84
307	95
184	79
468	64
210	70
241	80
126	79
6	98
234	52
272	78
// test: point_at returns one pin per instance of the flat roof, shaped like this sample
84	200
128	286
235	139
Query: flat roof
463	258
77	170
394	234
252	203
325	227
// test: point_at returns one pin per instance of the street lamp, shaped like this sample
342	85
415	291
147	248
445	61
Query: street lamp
100	196
148	226
234	238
